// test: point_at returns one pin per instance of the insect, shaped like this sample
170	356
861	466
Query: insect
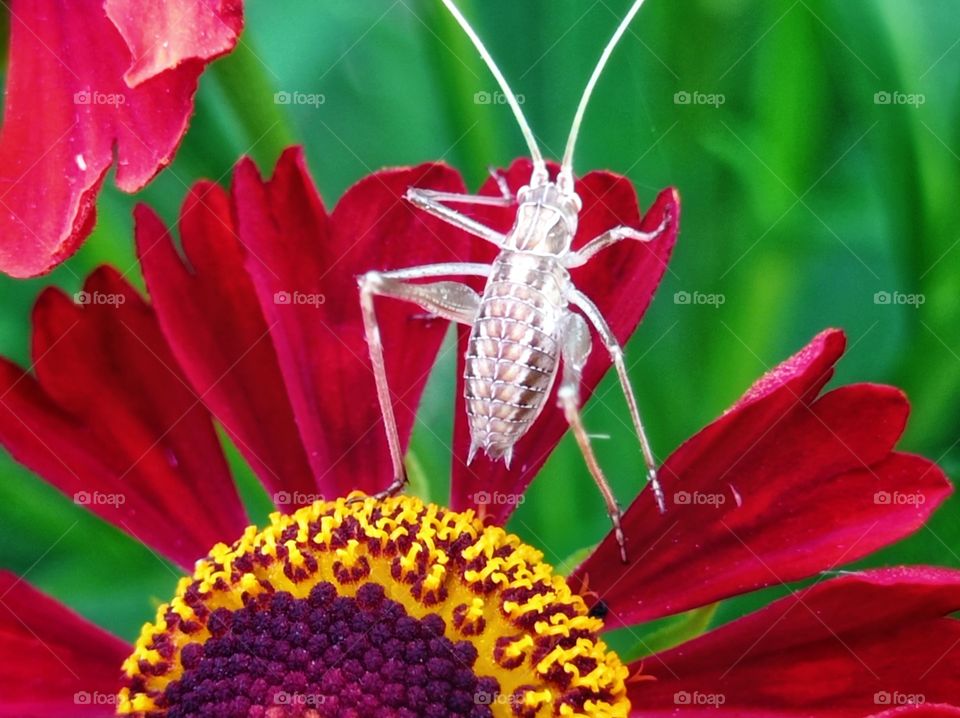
524	330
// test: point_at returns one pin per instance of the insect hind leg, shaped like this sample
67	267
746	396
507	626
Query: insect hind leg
584	303
450	300
575	350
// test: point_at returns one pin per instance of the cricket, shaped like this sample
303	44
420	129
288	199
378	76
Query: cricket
530	323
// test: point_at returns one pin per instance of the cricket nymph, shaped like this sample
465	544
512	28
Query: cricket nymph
531	326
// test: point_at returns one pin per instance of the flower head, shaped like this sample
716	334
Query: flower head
395	607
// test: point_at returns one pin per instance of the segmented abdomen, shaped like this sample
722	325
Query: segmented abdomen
513	350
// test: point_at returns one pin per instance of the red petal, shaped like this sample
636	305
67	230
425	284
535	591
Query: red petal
67	111
621	281
55	663
294	247
773	491
852	646
210	314
190	30
111	422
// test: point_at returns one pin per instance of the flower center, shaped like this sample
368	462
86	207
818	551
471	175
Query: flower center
392	608
329	654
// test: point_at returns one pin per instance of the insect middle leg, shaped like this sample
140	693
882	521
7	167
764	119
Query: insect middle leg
450	300
590	309
608	239
575	350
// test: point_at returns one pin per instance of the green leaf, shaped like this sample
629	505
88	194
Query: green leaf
417	476
639	641
566	567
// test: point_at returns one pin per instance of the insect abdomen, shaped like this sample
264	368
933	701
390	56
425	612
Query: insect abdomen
513	351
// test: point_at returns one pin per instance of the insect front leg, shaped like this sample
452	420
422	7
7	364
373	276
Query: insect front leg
432	201
609	238
575	350
587	306
450	300
504	188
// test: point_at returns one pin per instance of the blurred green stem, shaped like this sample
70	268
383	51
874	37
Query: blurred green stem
248	91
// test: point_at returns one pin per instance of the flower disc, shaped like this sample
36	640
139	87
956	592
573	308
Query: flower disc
361	607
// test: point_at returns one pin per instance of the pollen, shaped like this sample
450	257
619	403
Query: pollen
360	607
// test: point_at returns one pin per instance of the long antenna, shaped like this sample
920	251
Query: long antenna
535	154
566	168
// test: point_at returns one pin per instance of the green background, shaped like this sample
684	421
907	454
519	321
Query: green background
802	198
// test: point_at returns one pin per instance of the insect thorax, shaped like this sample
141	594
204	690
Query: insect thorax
546	220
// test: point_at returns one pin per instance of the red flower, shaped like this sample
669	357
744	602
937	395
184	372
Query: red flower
88	78
258	328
